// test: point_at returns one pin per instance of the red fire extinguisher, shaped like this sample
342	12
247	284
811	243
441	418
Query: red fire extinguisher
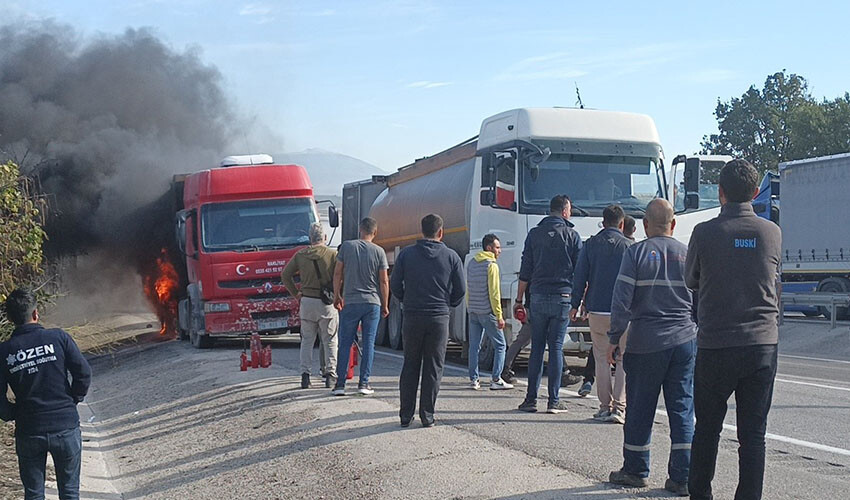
255	350
243	362
266	356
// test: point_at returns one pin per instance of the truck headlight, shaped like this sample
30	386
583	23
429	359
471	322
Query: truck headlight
216	307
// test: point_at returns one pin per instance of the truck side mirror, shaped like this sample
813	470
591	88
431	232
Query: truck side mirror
333	216
180	231
691	182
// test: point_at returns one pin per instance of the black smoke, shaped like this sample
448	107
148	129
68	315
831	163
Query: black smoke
102	123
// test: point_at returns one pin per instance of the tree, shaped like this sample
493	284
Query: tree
21	236
780	122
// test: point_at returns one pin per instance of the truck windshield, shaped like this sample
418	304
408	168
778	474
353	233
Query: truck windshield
592	183
256	224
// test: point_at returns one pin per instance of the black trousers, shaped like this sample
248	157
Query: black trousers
424	341
748	372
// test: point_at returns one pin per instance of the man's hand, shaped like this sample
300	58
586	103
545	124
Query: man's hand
610	355
573	314
385	311
339	303
501	324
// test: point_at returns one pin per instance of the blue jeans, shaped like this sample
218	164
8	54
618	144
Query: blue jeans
646	374
366	316
65	447
549	321
486	323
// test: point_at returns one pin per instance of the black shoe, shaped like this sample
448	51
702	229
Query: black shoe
406	423
624	478
528	406
569	379
509	376
305	380
429	423
680	489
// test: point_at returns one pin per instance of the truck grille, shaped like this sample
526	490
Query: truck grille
252	283
269	315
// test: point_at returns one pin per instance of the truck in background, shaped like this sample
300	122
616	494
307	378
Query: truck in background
237	225
815	239
501	182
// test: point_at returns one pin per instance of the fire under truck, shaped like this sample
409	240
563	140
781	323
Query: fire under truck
237	226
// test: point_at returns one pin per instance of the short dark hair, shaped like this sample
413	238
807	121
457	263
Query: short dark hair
431	225
19	306
613	215
488	240
739	180
558	203
628	225
368	225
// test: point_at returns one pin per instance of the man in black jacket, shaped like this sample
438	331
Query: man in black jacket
428	280
548	261
37	364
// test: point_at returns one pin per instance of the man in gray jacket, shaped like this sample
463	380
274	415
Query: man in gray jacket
650	298
733	262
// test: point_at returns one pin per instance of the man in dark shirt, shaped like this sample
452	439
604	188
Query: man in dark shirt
548	261
733	262
37	364
428	280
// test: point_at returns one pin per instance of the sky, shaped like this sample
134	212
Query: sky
391	81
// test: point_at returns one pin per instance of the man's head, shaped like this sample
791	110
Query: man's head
658	219
432	227
317	234
368	228
739	182
560	206
613	216
491	243
629	226
21	307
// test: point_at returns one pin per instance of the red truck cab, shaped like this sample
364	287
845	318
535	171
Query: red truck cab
238	226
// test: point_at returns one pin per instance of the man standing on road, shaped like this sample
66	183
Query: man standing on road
361	294
38	361
485	311
733	262
598	265
428	280
651	293
315	265
548	261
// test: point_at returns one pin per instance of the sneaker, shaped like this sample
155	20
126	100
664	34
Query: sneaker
585	388
618	416
559	407
569	379
406	423
680	489
338	391
330	381
305	381
602	415
475	385
624	478
509	376
528	406
500	385
429	423
365	390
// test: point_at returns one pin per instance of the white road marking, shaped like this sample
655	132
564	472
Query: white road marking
769	435
822	386
815	359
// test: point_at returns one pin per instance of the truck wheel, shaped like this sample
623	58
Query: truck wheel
200	340
394	321
834	285
381	336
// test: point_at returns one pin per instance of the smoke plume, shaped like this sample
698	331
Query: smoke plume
103	124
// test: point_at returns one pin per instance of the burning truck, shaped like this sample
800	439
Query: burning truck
236	227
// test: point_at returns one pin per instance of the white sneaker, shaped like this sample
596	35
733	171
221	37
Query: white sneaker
500	385
618	416
602	415
475	385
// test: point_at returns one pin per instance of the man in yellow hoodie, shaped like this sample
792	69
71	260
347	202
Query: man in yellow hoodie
484	304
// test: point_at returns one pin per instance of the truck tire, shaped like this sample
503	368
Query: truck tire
835	285
183	319
394	321
198	339
381	336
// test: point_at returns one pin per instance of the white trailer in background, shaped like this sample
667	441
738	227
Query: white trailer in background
501	182
815	213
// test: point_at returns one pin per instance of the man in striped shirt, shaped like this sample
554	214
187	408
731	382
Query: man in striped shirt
650	293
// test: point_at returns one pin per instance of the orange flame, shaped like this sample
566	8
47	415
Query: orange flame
161	286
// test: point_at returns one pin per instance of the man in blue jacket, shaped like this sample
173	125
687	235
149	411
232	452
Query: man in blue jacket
37	364
428	280
548	261
598	266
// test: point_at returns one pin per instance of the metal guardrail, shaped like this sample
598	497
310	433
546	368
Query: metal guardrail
823	299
